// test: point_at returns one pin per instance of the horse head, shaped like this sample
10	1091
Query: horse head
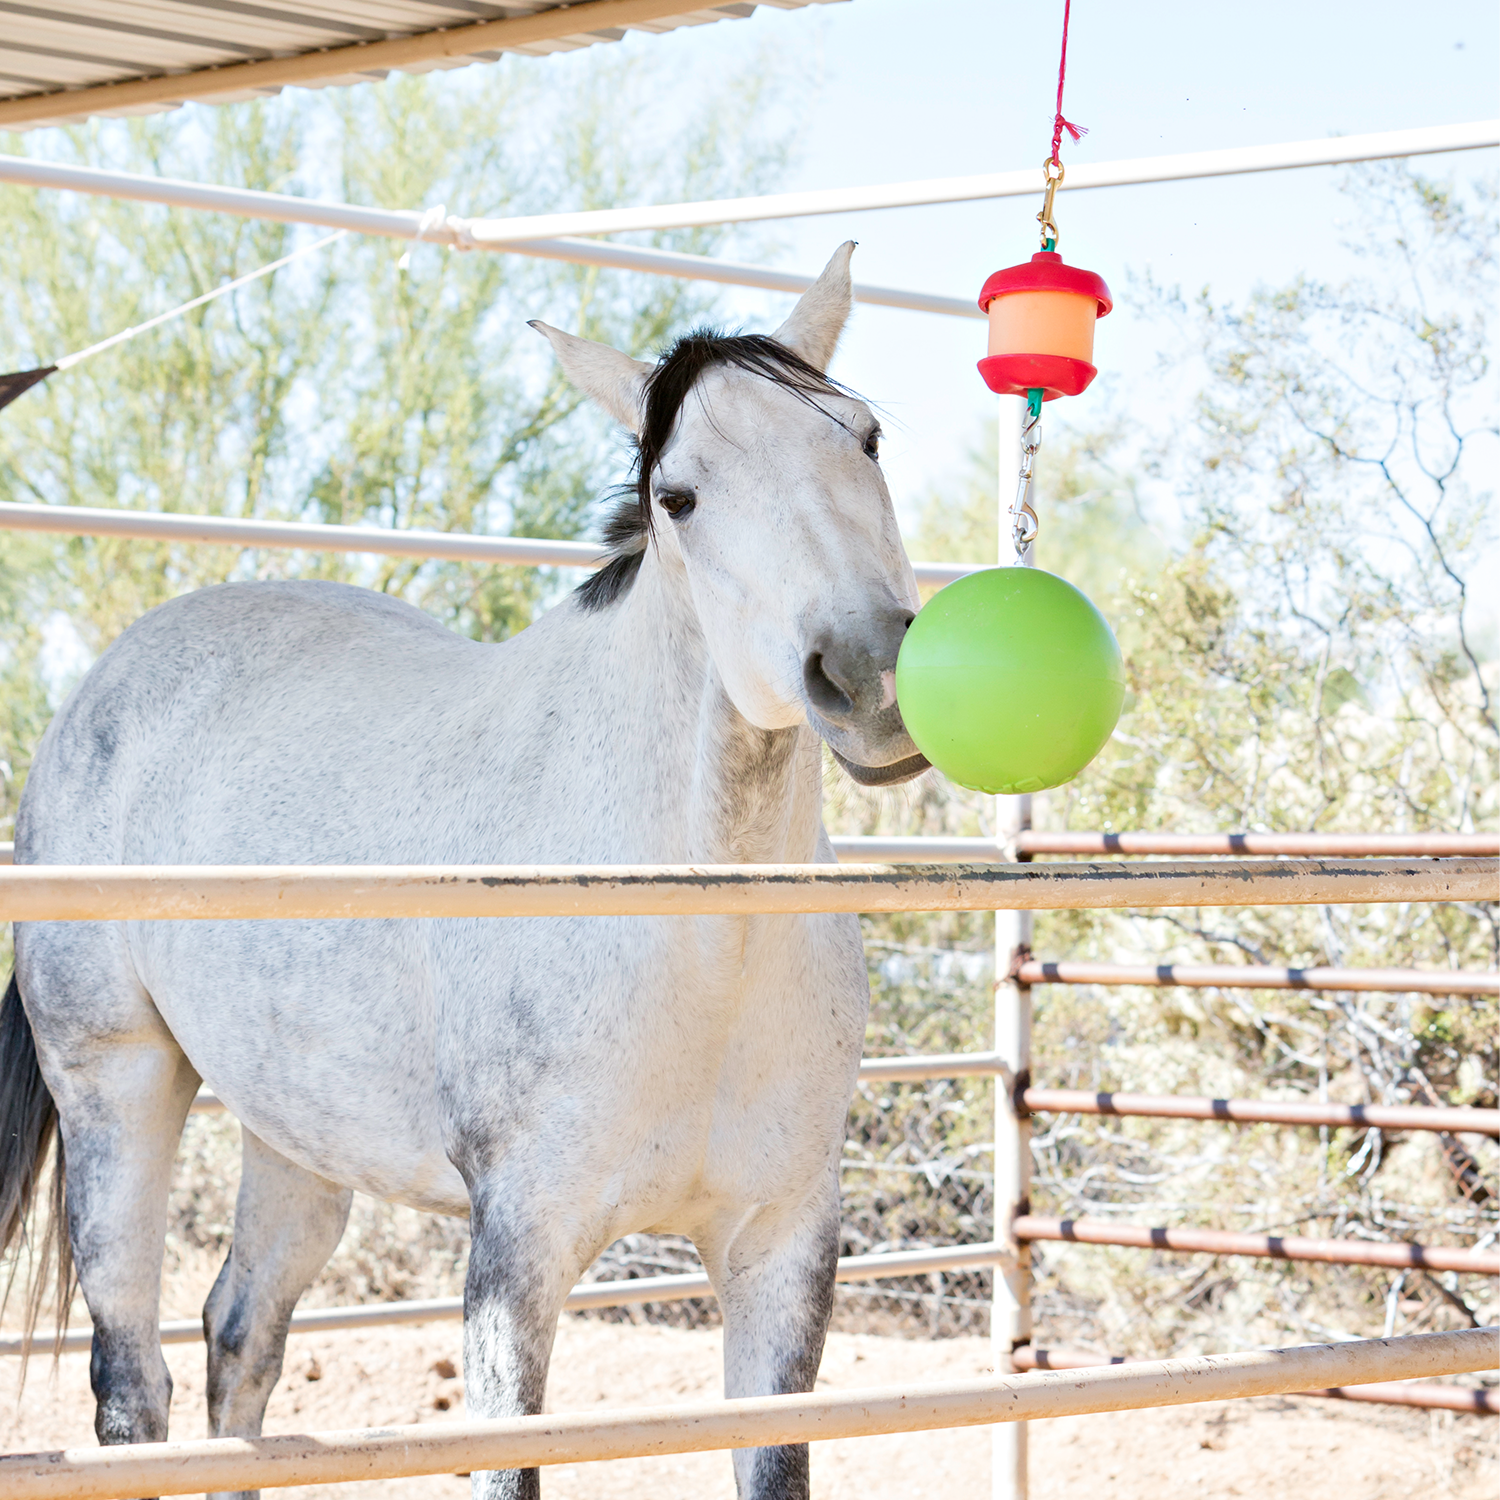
758	480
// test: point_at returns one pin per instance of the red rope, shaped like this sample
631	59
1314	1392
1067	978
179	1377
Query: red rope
1059	124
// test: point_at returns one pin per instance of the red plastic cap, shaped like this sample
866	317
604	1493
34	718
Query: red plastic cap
1045	272
1053	374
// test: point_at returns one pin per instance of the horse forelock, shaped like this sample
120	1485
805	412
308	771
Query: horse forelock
628	526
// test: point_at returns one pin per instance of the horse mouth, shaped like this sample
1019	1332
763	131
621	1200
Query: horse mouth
891	775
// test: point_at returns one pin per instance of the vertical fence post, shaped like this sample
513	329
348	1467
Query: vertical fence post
1010	1311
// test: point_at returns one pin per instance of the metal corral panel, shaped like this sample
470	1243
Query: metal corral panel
60	63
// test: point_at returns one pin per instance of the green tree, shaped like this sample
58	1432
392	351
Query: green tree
349	387
1302	654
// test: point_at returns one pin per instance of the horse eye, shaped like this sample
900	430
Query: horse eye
677	503
872	444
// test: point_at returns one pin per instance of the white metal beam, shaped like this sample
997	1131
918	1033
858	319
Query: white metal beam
587	1296
405	224
1329	151
219	1464
552	235
226	531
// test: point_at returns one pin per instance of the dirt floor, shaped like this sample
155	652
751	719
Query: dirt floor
1318	1450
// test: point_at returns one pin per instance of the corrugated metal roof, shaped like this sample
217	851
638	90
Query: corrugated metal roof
66	62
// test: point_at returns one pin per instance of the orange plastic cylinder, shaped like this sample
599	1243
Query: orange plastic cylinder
1044	322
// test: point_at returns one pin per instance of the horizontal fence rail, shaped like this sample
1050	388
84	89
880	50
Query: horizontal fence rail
1164	1106
618	257
1462	1118
1032	1227
218	1464
877	849
568	248
1329	845
1263	977
588	1297
937	1065
503	234
1265	1111
309	536
873	1070
1326	152
227	531
1385	1393
74	893
858	848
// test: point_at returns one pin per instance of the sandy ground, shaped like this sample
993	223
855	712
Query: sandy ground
1317	1450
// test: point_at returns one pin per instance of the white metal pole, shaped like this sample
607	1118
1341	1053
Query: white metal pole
1010	1312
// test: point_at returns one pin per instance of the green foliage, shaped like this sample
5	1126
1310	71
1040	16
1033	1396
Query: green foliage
348	387
1302	656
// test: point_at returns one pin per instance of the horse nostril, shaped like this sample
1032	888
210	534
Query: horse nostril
823	691
906	618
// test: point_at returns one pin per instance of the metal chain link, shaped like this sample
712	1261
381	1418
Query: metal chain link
1024	524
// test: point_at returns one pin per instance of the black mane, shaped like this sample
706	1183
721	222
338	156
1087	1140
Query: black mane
628	526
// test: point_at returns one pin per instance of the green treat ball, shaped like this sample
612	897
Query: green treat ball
1010	681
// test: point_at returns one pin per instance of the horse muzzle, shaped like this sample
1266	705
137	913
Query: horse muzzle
849	682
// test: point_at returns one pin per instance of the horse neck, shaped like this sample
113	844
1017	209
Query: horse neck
751	795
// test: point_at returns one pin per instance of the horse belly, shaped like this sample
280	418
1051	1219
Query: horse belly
318	1036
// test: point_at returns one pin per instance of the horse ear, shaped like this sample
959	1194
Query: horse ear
616	381
820	314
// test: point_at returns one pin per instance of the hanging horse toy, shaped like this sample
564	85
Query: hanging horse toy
1010	680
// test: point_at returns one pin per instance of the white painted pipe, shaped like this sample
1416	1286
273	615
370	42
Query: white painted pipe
936	1065
217	1464
225	531
403	224
871	1070
878	848
74	893
729	273
1328	151
504	232
588	1297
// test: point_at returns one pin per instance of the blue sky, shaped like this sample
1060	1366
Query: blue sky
926	88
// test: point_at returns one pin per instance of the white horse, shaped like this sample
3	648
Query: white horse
561	1081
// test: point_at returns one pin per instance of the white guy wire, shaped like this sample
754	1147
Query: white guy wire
68	360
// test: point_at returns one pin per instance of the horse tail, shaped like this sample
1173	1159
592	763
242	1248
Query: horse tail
28	1132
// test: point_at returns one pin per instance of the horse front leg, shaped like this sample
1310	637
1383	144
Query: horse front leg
287	1222
775	1284
520	1273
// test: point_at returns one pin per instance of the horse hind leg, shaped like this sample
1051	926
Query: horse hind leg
287	1222
121	1099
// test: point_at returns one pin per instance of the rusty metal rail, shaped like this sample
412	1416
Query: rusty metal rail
1401	1256
1165	1106
1326	845
878	849
1266	1111
1384	1393
1263	977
